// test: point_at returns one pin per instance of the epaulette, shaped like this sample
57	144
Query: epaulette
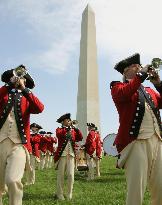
113	82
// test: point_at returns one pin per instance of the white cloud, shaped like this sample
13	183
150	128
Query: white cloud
123	27
55	24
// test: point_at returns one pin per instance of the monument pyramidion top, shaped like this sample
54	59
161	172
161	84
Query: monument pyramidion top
88	8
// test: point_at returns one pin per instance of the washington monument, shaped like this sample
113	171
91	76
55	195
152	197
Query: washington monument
88	95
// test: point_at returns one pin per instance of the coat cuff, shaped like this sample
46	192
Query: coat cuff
142	75
26	91
76	129
159	88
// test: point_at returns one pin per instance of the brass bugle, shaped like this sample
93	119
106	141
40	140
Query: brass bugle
156	63
20	71
155	66
74	123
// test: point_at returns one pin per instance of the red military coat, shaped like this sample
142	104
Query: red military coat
35	143
93	143
125	97
25	103
50	143
61	133
43	144
98	145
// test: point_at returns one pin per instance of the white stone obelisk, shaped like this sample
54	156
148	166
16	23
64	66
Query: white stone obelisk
88	94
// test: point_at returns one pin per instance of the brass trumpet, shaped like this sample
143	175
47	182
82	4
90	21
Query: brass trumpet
155	66
20	71
74	123
156	63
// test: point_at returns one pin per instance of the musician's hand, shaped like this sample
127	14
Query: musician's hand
22	83
155	78
76	129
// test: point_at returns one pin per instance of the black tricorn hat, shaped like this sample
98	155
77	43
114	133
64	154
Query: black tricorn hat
134	59
49	133
35	125
42	132
63	117
9	73
91	125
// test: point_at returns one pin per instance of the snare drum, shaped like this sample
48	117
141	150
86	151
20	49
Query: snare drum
108	146
81	160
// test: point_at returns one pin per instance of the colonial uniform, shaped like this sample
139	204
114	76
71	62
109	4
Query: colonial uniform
98	152
35	141
35	156
43	149
65	156
50	150
139	141
15	110
93	150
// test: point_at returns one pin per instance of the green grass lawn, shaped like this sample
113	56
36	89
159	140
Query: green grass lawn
109	189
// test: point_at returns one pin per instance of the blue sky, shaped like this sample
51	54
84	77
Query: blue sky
45	36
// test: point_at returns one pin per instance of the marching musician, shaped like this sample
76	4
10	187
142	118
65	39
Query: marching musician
93	150
35	143
35	140
50	149
43	149
98	151
139	141
64	157
17	102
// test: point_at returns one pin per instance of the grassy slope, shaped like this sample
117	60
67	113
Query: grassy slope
109	189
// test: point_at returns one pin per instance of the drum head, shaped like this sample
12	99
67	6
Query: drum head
108	146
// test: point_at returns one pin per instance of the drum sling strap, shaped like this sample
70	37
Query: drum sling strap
151	104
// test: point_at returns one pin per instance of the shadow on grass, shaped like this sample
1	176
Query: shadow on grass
113	174
110	180
81	177
102	179
42	197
